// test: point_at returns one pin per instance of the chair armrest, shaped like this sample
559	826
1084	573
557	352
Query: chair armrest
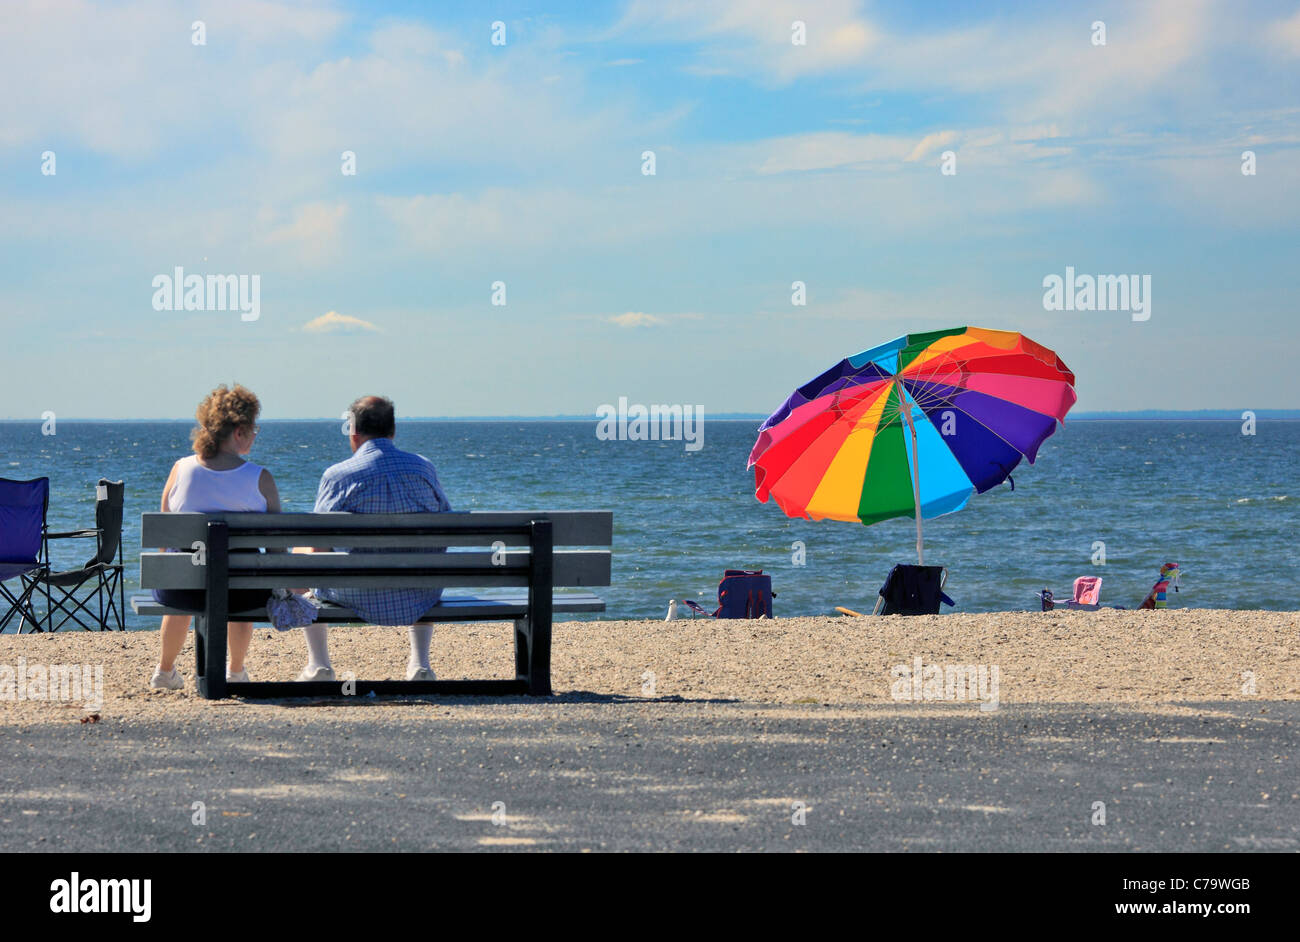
74	533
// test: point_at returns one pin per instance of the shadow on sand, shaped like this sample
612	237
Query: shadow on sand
571	696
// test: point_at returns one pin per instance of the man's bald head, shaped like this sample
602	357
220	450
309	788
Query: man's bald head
373	417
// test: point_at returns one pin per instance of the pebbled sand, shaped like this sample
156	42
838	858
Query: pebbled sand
1184	655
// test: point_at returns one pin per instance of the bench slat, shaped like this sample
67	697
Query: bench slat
451	608
569	528
373	570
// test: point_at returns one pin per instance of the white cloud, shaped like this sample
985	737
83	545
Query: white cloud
754	36
439	222
1031	69
635	319
124	79
332	322
312	234
929	143
829	149
1285	34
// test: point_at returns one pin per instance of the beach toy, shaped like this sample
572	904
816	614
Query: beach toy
913	427
1156	598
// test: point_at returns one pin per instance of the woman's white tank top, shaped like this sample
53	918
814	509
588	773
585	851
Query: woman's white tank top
200	490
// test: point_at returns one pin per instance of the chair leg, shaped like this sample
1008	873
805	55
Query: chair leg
105	595
49	615
99	597
70	614
21	605
108	587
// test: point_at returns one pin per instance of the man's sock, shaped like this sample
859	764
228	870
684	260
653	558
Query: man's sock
318	652
421	636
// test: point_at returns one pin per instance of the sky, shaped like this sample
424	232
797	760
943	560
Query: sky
515	171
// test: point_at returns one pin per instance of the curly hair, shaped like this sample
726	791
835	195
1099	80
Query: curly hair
219	415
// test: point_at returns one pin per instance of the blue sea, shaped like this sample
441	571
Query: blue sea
1221	504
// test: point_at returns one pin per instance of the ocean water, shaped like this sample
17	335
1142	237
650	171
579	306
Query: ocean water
1221	504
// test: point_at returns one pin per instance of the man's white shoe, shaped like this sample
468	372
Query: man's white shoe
420	673
320	673
239	677
166	680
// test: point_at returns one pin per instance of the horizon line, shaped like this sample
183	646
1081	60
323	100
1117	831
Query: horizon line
1101	414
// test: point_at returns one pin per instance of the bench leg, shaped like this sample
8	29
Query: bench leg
522	647
541	579
200	650
533	656
212	681
210	658
539	657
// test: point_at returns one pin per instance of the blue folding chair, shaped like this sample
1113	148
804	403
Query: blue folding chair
23	552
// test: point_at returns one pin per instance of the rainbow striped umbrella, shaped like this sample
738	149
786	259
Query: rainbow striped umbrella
973	402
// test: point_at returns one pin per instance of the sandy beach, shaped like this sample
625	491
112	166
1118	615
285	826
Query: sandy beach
1053	657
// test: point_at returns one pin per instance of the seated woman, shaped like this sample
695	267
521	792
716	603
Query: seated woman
215	478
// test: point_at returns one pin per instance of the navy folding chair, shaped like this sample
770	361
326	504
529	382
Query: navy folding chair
100	578
913	590
23	552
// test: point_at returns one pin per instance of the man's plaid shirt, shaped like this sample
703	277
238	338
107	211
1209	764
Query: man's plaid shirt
381	479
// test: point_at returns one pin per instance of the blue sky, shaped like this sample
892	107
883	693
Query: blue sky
522	163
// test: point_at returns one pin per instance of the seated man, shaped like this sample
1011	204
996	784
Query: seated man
378	479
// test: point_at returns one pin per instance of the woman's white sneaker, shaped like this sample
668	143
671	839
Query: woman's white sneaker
238	677
166	680
320	673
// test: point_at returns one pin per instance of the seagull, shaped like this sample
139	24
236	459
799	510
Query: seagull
672	610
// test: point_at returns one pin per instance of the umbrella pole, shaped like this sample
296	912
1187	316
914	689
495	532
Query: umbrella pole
916	475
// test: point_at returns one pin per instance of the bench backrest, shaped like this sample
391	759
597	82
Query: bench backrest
492	548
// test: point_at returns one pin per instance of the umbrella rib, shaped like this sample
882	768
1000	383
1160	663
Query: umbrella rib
771	483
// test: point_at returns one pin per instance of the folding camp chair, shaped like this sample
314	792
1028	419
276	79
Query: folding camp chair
23	552
913	590
100	574
1087	596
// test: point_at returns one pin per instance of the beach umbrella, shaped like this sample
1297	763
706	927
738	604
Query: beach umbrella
912	427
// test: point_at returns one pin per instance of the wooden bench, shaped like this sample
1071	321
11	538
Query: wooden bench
513	550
